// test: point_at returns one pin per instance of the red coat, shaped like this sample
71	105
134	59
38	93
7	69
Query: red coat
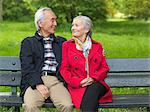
73	70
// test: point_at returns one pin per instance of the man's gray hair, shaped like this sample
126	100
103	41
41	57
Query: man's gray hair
39	15
87	23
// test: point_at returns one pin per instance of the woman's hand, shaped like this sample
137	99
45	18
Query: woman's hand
87	81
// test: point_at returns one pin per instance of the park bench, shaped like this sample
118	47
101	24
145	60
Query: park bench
124	73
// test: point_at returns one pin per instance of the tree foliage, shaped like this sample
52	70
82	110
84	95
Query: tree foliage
131	8
134	8
15	9
66	10
1	10
137	8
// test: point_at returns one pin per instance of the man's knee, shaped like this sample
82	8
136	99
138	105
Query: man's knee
31	104
67	107
33	98
30	107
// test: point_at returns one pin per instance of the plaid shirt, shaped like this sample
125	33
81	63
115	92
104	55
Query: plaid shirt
50	62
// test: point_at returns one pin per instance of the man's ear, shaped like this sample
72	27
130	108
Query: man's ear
39	24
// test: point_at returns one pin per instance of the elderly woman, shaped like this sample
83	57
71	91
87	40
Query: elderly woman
84	67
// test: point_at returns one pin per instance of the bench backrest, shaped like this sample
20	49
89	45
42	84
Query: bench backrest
126	72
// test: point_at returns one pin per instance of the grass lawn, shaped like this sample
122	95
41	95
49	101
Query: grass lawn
120	39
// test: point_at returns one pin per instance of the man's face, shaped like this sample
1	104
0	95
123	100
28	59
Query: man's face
49	23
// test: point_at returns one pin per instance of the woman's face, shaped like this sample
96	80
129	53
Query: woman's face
78	28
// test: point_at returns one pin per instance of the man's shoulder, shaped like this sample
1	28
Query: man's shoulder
29	38
61	38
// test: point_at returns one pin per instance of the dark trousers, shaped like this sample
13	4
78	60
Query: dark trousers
93	93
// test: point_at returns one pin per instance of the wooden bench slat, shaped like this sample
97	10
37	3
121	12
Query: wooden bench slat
128	100
10	101
129	64
116	65
114	79
11	63
10	78
128	79
123	101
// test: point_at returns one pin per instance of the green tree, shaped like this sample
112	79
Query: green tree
96	9
114	6
66	10
15	10
137	8
1	10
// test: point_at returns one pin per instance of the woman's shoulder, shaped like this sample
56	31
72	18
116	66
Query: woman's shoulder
68	42
94	42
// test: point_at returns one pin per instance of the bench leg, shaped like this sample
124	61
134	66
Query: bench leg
148	109
17	109
14	109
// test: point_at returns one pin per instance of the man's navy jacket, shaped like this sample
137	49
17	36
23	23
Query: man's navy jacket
32	60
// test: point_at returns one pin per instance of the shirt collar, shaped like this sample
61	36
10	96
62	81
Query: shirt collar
40	37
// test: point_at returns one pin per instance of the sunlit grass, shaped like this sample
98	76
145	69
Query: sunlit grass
120	39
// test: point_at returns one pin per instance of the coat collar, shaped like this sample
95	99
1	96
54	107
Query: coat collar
93	50
39	37
93	41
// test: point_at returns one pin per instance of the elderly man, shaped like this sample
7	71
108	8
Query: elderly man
40	57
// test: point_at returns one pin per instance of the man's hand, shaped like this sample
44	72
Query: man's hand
87	81
43	90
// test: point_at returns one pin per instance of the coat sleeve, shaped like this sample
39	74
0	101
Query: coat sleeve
65	69
101	73
28	68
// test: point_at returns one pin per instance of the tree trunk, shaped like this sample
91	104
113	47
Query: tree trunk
1	10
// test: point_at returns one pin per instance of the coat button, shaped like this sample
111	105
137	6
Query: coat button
75	58
76	68
95	60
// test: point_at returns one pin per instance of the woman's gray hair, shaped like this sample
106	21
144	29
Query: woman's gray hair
39	15
87	23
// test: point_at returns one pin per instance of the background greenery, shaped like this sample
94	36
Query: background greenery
120	39
98	10
122	26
